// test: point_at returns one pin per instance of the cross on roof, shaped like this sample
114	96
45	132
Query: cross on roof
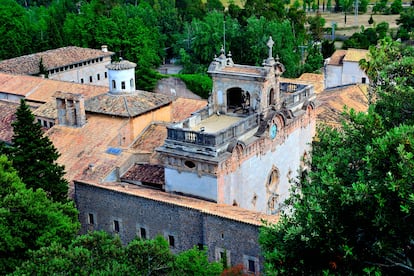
270	44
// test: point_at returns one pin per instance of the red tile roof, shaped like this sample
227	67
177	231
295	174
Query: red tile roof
84	150
331	103
29	64
337	57
184	107
145	173
128	105
7	116
42	90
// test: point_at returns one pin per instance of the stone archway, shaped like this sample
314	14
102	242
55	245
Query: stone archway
238	100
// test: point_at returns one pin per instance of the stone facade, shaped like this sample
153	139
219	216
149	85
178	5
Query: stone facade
247	146
184	227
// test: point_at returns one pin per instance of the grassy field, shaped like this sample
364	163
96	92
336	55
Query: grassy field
354	24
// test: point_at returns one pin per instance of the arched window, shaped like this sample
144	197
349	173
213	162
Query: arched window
271	191
113	84
271	97
123	85
131	83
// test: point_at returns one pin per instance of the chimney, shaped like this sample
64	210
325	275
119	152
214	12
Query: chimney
70	109
104	48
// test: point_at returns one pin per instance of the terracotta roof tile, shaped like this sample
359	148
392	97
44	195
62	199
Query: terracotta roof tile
355	54
29	64
184	107
331	103
7	116
42	90
152	137
153	174
220	210
337	57
84	150
127	105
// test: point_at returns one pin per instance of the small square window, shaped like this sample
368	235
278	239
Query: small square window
91	219
116	226
171	241
143	233
252	266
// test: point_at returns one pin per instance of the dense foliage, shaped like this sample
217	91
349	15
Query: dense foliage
34	156
29	220
99	253
199	84
354	212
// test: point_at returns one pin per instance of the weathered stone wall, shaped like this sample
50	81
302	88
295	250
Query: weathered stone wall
190	227
174	87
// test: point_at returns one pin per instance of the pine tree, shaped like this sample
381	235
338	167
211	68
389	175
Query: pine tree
34	156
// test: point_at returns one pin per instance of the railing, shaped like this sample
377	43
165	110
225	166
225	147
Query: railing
293	97
212	139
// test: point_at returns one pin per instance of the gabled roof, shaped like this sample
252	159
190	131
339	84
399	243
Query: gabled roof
337	58
126	105
355	55
145	173
41	90
29	64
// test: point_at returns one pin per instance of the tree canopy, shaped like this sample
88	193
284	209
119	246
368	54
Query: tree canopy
34	156
29	220
353	213
99	253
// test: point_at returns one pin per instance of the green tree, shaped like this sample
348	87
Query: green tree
29	220
396	7
149	257
99	253
15	30
355	212
406	23
195	262
316	25
314	58
346	6
34	156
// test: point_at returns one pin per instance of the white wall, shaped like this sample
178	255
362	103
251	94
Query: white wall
333	76
190	183
251	178
76	74
352	73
